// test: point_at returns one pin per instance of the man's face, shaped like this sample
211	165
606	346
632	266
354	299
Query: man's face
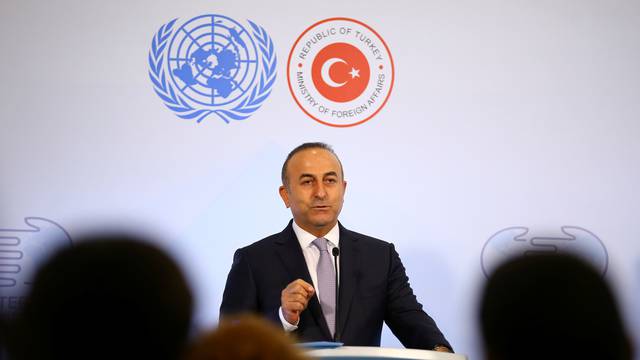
315	190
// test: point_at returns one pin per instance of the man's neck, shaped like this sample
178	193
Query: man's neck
317	231
305	238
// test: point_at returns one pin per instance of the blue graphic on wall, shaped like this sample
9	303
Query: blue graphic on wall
513	241
212	64
22	251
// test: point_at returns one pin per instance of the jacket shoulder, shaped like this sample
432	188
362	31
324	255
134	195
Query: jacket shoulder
261	245
366	240
268	243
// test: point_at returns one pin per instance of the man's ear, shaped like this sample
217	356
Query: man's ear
284	194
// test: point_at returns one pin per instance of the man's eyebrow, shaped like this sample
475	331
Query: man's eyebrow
330	173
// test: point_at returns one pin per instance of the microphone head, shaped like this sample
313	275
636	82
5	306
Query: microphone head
335	251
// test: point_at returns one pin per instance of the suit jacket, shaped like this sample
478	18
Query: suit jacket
373	288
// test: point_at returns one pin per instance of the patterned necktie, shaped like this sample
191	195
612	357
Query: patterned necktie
326	284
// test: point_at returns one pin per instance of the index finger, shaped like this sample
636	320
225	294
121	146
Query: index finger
305	286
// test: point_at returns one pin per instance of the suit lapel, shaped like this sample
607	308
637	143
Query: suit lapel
291	255
349	256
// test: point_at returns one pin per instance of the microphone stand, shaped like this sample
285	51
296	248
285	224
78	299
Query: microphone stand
336	252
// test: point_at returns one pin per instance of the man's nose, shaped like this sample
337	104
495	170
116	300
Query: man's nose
320	191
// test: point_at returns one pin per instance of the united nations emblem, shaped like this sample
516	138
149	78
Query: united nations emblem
212	64
340	72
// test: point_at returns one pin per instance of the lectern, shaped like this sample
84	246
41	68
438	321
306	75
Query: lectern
377	353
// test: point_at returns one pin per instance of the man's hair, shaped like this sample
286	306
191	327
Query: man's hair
245	337
305	146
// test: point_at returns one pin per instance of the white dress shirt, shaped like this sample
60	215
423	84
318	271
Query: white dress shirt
312	257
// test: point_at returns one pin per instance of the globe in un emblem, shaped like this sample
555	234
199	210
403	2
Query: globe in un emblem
212	60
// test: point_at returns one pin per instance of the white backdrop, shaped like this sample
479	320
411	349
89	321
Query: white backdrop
503	113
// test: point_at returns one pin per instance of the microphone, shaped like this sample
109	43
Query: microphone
336	252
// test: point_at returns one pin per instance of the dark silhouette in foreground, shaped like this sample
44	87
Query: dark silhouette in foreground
108	297
551	307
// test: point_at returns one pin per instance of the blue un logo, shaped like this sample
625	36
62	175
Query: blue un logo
212	64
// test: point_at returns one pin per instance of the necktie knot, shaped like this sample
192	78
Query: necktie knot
321	244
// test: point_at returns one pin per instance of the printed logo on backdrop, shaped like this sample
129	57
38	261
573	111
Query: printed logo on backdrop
212	65
340	72
22	251
517	241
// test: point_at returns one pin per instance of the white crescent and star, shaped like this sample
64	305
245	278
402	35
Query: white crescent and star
324	72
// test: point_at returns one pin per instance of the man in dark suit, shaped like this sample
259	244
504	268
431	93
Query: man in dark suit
289	276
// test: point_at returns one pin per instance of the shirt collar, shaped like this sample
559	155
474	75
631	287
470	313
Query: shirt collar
305	238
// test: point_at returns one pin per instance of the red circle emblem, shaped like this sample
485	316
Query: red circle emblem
340	72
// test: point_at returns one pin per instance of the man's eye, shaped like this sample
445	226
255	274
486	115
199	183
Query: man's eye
306	182
331	181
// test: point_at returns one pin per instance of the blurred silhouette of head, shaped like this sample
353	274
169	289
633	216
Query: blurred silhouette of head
246	337
550	307
107	297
